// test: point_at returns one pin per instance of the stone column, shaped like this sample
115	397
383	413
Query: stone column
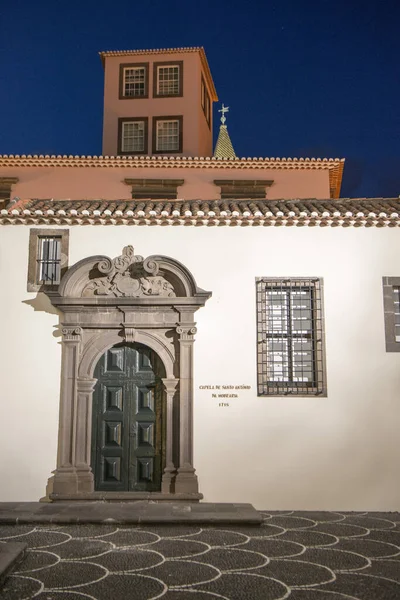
83	434
186	480
168	478
65	476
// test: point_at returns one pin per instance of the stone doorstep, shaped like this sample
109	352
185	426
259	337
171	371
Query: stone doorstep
130	513
11	553
127	497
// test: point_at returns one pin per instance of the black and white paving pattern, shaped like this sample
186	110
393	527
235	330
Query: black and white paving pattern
295	555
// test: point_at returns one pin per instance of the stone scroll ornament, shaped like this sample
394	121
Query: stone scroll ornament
129	275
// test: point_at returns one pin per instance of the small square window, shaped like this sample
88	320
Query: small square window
134	81
168	79
391	305
48	258
167	134
132	136
290	343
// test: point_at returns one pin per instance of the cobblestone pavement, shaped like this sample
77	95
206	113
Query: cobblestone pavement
295	555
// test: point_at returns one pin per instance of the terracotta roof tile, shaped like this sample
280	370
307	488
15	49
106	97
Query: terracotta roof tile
355	211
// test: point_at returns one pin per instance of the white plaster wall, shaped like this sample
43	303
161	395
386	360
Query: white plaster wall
340	452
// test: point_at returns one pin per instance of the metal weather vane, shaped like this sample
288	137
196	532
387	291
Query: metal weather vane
223	110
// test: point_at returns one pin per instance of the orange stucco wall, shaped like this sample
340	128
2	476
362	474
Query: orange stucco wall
197	139
77	183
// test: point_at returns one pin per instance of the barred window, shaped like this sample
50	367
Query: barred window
391	306
396	305
134	82
48	258
133	136
290	342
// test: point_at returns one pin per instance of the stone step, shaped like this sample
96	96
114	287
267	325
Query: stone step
133	513
11	553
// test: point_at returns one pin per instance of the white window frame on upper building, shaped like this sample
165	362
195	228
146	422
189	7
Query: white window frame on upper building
142	92
168	79
205	101
123	125
171	121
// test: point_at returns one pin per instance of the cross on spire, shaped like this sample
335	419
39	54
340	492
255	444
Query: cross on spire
223	110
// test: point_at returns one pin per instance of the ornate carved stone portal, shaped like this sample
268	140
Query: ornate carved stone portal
105	302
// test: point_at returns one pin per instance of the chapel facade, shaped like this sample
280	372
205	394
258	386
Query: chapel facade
200	324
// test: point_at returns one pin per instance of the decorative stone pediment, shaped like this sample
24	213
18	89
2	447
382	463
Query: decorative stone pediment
128	275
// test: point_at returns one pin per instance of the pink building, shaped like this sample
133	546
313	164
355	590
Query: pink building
157	143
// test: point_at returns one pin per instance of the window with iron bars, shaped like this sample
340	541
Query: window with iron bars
290	337
391	306
49	260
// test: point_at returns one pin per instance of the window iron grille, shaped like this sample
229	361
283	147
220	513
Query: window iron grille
396	304
290	337
49	260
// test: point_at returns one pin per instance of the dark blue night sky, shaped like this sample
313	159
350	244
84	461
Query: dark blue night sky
302	78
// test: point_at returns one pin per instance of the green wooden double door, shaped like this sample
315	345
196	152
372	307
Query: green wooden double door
127	421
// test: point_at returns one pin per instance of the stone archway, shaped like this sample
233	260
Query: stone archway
104	302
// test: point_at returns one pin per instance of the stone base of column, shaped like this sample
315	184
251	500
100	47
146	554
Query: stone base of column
168	480
186	480
69	480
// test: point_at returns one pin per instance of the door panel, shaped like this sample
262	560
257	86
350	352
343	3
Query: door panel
126	436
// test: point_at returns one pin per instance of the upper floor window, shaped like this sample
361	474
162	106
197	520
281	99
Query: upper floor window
132	136
134	81
290	342
168	79
167	134
48	258
205	101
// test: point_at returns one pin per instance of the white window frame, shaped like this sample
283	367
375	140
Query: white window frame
167	147
132	137
168	79
125	83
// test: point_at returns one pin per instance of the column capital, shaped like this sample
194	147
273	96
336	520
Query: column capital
72	334
170	385
86	384
186	332
129	333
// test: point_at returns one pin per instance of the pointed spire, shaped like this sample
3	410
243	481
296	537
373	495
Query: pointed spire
223	147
